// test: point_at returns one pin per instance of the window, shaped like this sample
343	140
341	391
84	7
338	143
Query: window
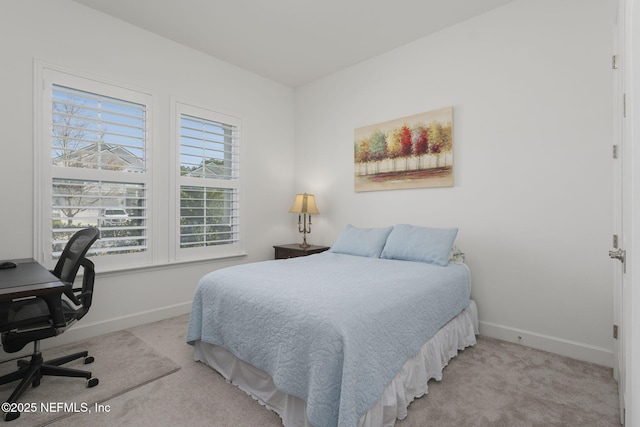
208	181
97	174
94	169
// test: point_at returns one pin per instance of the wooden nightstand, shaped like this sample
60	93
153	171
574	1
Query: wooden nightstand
294	250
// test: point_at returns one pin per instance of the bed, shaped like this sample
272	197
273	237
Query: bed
343	338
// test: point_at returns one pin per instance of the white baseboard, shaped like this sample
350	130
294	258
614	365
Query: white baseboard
81	331
576	350
573	349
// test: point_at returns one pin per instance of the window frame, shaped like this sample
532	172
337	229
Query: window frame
46	172
180	107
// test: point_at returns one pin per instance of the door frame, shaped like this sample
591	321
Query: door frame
629	297
619	238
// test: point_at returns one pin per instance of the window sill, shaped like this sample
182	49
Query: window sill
116	271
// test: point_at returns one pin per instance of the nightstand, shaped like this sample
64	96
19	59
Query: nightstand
294	250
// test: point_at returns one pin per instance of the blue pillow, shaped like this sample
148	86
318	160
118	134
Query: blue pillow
423	244
361	241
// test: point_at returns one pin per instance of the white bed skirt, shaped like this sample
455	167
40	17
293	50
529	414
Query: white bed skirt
410	383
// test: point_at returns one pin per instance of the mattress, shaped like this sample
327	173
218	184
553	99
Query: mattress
330	329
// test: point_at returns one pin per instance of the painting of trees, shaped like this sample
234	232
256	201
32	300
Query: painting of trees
410	152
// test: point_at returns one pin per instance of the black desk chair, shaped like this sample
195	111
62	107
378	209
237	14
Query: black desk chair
29	320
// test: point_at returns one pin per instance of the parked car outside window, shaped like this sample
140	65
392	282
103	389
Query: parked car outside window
115	216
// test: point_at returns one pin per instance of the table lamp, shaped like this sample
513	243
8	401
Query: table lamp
304	204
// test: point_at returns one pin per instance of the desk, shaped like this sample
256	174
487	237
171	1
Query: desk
30	279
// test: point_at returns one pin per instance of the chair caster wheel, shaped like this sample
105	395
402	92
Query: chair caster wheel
92	382
10	416
35	383
88	359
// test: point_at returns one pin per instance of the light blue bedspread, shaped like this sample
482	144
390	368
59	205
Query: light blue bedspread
331	329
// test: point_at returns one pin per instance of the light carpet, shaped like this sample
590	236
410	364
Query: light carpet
502	384
122	362
494	383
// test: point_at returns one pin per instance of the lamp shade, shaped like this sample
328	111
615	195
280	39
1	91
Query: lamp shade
304	203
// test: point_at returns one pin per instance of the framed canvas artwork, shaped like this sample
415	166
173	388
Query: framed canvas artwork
409	152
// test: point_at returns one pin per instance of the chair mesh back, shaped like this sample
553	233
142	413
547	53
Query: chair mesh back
73	253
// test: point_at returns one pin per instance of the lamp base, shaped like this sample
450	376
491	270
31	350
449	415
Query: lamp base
304	228
304	244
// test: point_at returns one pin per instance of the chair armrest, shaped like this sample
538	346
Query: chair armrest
69	292
77	295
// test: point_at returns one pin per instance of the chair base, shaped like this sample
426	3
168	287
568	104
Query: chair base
31	372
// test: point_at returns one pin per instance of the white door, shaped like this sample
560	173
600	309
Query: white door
631	213
627	209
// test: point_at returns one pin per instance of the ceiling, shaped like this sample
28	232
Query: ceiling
293	41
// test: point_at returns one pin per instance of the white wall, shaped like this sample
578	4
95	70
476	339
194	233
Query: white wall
65	34
530	84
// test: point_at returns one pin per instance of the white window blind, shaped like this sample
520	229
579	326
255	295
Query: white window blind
208	149
208	216
117	209
208	179
97	132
